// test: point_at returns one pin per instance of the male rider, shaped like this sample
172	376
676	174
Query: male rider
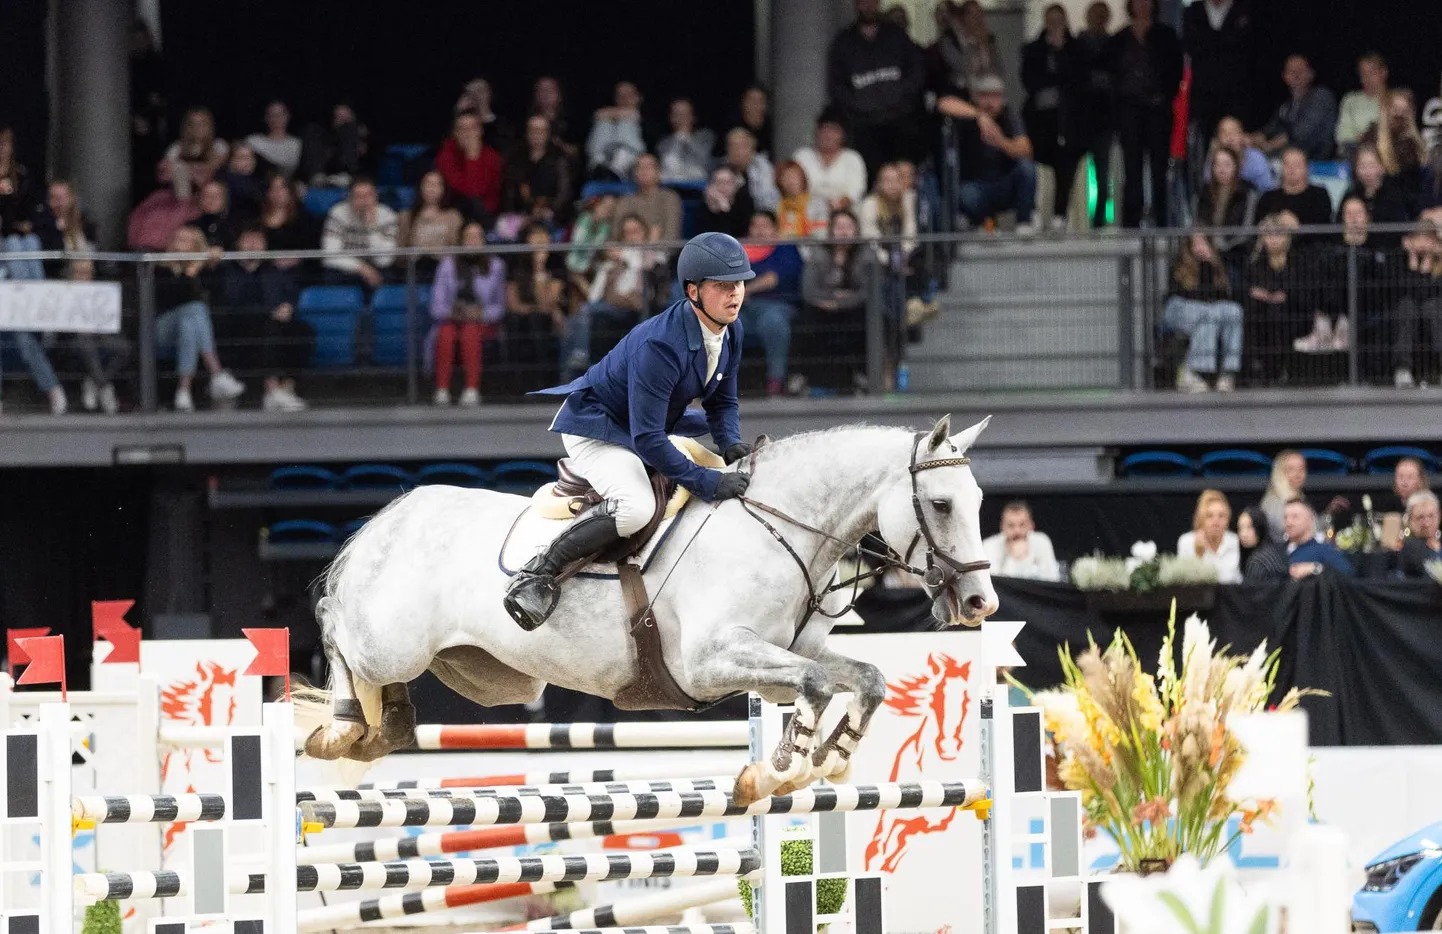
617	417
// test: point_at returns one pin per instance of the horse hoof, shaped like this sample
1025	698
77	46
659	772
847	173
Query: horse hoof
745	793
334	740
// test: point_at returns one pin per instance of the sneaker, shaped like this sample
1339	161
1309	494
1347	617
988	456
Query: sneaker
1342	334
1026	229
108	403
470	398
1058	224
442	397
183	401
1226	382
224	386
58	404
281	399
89	396
1187	381
796	385
1315	342
1402	378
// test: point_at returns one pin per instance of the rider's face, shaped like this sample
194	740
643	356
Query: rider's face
721	300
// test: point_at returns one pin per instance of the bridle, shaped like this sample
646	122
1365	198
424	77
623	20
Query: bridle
935	575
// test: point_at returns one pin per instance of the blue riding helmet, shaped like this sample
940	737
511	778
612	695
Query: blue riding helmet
715	256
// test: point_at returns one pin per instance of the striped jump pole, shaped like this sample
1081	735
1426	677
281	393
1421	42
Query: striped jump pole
571	777
737	928
148	809
542	809
633	911
725	734
348	914
420	874
588	788
483	838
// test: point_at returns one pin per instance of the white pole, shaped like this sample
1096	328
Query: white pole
57	915
768	902
278	761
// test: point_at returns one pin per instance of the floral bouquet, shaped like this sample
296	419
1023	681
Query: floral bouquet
1144	571
1152	756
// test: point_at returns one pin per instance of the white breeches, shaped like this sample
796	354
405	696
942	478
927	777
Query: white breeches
618	475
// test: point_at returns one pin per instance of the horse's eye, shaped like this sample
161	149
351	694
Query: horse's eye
942	506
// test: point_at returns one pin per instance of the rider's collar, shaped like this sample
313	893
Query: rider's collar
693	326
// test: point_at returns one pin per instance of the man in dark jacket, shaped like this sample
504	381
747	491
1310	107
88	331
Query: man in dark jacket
1146	66
1218	39
617	417
875	76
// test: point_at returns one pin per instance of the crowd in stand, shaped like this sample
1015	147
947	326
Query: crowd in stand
1281	536
1250	301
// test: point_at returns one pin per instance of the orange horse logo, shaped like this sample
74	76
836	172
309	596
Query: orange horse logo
939	699
205	699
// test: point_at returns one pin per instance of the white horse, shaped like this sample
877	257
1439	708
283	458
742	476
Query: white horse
420	587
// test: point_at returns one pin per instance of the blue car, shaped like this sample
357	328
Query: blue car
1404	886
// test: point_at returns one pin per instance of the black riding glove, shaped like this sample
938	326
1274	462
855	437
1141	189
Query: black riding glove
737	451
731	485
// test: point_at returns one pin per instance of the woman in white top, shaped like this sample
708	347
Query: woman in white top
1289	475
276	145
1209	539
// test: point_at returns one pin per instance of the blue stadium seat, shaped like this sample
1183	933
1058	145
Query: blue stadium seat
334	311
523	477
689	211
319	201
295	531
1323	462
1157	464
398	197
452	474
596	189
1384	460
377	477
398	166
1235	462
388	315
302	477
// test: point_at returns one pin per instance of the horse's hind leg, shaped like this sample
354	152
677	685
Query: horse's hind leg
832	759
397	728
347	723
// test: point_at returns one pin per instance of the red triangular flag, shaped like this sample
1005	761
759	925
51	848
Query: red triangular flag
47	661
272	654
108	614
14	652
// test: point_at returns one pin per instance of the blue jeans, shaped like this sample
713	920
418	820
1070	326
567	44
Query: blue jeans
24	268
186	329
1203	322
1016	191
767	321
28	343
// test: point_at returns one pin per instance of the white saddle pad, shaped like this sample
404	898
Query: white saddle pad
533	532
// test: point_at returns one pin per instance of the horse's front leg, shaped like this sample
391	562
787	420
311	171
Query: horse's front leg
832	758
741	661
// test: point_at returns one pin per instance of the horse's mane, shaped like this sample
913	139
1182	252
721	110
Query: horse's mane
910	697
825	440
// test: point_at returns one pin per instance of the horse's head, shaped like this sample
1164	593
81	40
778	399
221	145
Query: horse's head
932	517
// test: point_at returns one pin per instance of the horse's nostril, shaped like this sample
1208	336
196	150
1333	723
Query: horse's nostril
976	601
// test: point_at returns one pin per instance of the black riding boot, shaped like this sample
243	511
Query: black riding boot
534	592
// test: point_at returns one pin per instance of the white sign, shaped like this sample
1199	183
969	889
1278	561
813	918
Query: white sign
74	307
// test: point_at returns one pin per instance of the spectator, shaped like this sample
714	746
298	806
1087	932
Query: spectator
538	177
276	146
964	50
1400	145
835	285
332	155
534	309
1423	543
102	355
1218	41
431	223
1209	539
1146	63
261	298
617	135
155	220
287	226
197	147
360	222
1408	477
1376	270
27	344
1421	303
837	175
997	172
1051	74
1226	201
772	297
468	302
215	221
547	101
754	113
243	182
184	326
1289	476
800	214
1095	77
659	207
1361	109
1019	550
17	191
888	217
616	299
1307	119
591	229
472	169
1254	166
476	98
1260	556
1282	303
874	77
1308	203
1201	307
726	205
755	171
1306	556
1381	193
686	154
63	226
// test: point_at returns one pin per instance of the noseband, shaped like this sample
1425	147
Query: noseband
936	575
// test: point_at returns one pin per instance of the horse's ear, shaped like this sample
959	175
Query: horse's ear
964	440
939	433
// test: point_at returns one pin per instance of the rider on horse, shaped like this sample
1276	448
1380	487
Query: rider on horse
617	417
